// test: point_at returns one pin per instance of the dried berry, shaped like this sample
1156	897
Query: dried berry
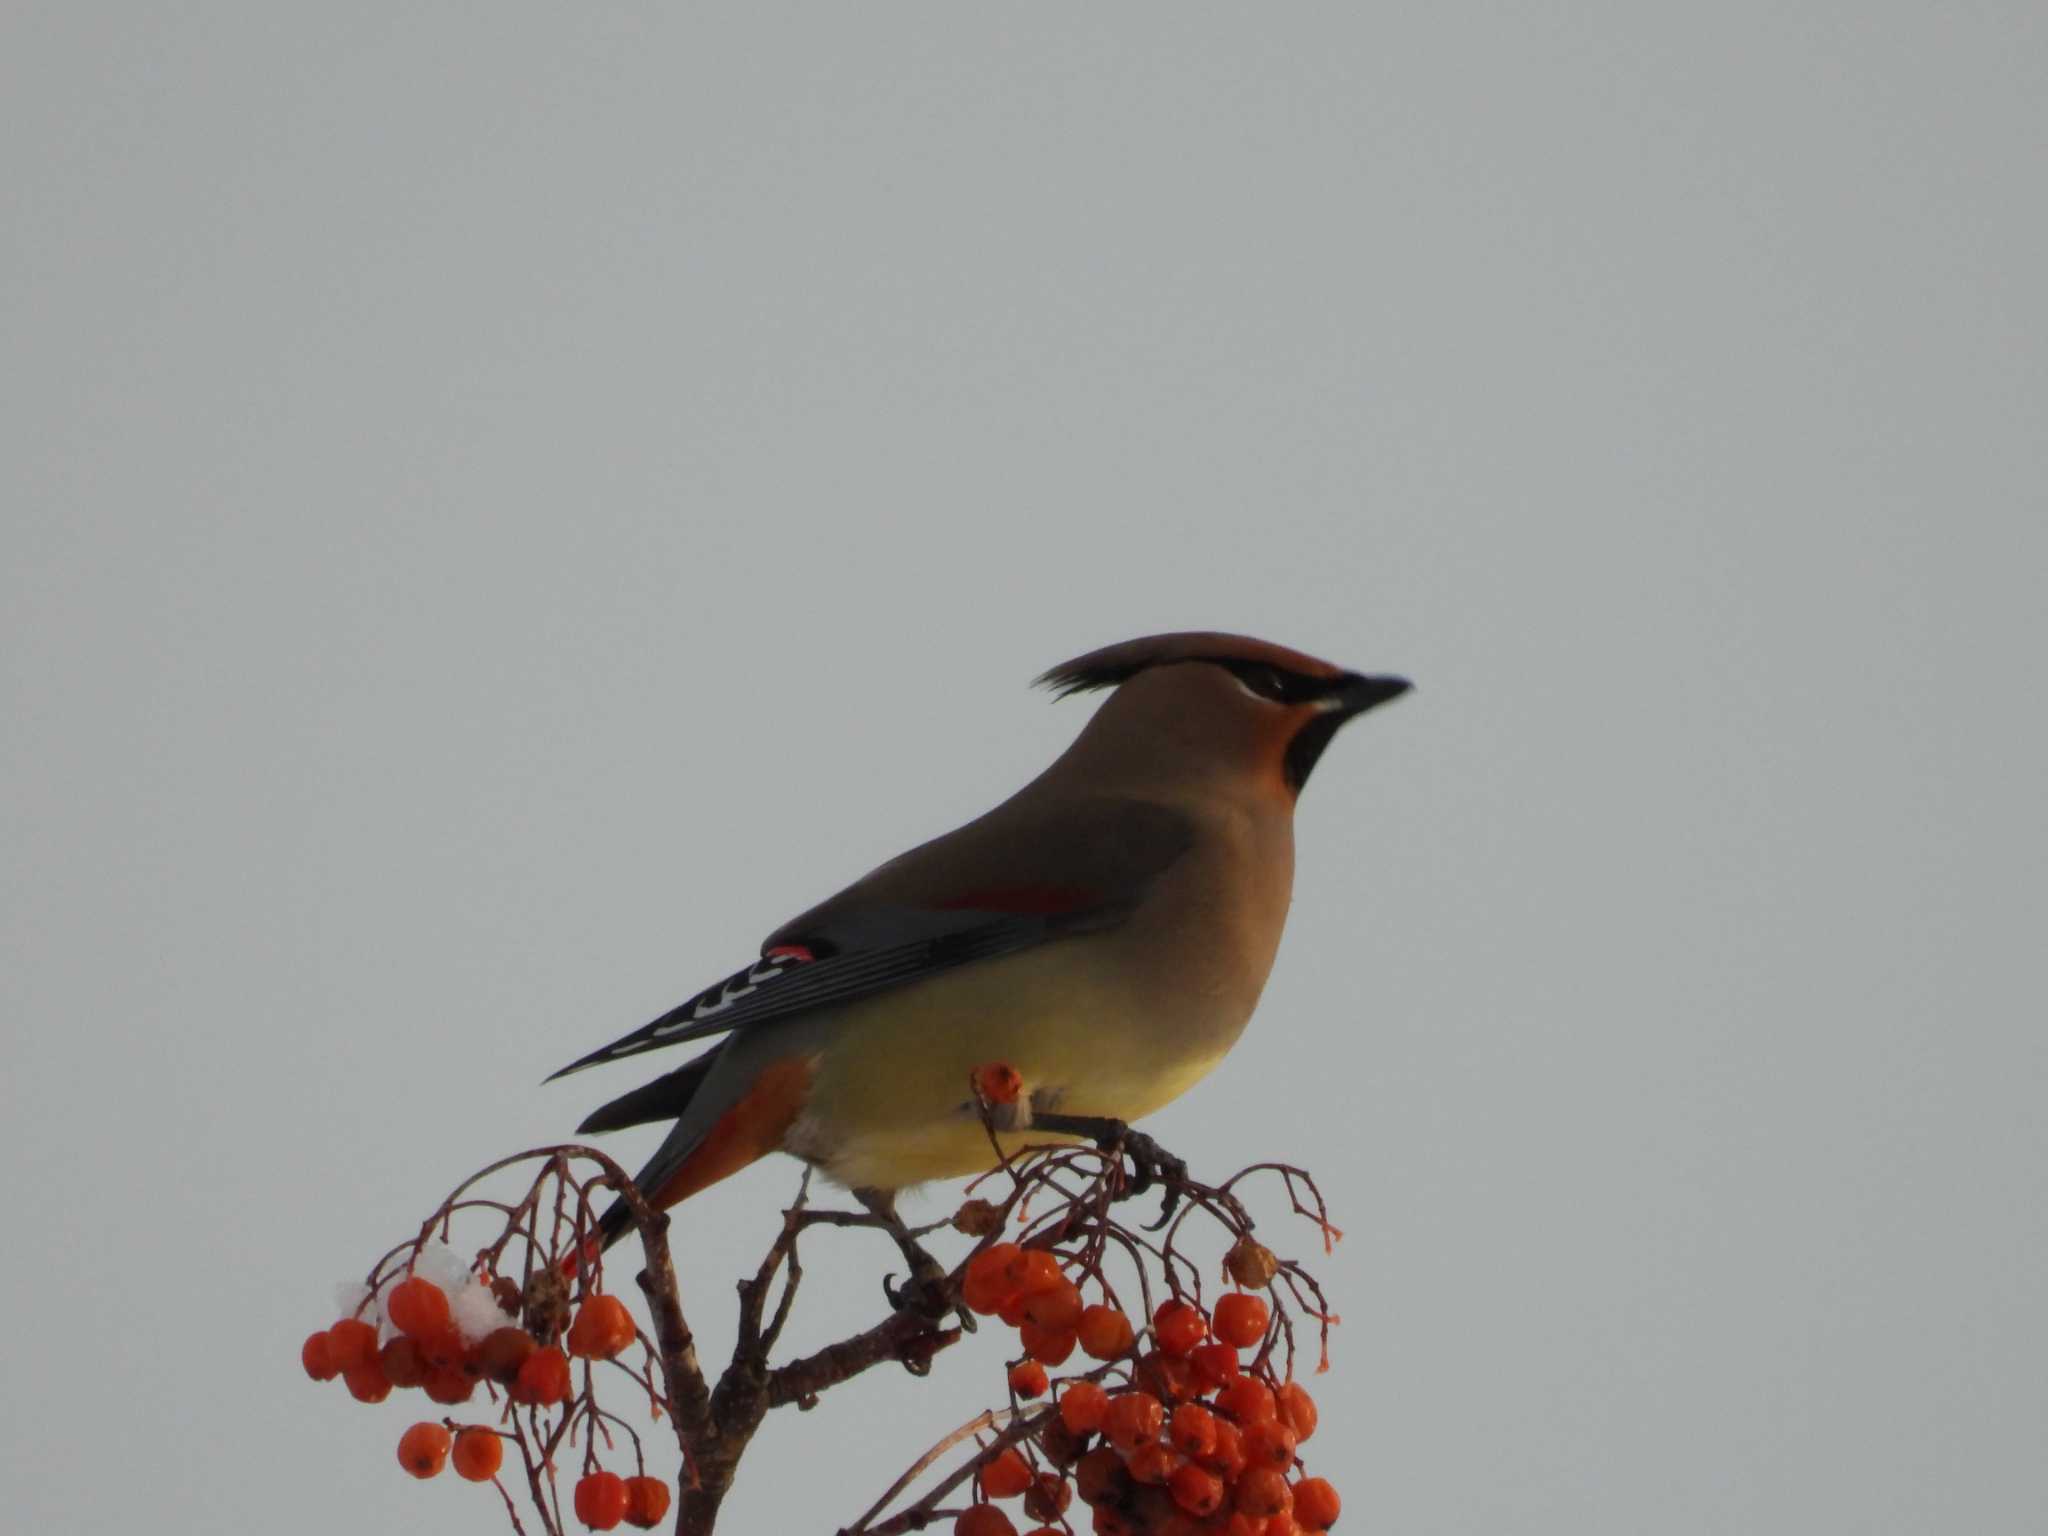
978	1218
1251	1264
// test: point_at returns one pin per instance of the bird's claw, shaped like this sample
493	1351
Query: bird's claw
914	1295
1152	1164
925	1294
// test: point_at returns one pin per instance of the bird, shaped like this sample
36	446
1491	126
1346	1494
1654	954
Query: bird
1104	933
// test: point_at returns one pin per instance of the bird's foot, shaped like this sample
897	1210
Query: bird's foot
1151	1164
925	1292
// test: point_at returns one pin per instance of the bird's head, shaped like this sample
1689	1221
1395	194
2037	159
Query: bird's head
1224	700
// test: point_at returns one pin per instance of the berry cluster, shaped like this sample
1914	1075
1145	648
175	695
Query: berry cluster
448	1350
1187	1423
1181	1437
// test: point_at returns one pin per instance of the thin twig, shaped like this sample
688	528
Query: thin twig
987	1419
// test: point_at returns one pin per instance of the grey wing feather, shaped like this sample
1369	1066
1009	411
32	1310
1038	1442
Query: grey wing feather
915	916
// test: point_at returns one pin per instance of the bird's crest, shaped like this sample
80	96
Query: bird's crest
1115	664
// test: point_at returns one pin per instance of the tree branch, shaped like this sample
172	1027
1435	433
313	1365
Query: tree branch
904	1337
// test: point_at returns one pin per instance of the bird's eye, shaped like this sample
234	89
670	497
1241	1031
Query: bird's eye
1267	682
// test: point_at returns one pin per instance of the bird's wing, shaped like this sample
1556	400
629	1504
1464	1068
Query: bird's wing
998	885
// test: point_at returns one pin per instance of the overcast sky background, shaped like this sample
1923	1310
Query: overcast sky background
505	503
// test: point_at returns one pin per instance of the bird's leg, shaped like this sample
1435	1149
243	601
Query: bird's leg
1150	1163
925	1290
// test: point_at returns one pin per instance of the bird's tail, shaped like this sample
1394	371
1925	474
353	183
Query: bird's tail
663	1099
666	1098
715	1134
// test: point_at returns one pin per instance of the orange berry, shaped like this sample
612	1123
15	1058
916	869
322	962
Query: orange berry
449	1385
1059	1444
1241	1319
603	1328
1296	1409
1034	1270
1048	1346
317	1356
1131	1419
998	1082
367	1382
1007	1475
1027	1379
1179	1326
1101	1476
1263	1492
986	1285
1269	1443
1192	1429
624	1329
1054	1306
1214	1365
417	1306
646	1501
1105	1333
1226	1458
543	1379
601	1500
401	1360
1316	1505
1082	1406
1048	1497
350	1343
441	1349
983	1520
1279	1525
988	1266
1247	1400
1012	1310
1153	1462
1165	1376
423	1449
502	1352
479	1452
1196	1490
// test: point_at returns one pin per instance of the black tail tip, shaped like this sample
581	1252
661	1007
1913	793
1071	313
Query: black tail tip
614	1224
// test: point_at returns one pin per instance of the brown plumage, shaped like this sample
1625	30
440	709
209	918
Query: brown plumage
1105	931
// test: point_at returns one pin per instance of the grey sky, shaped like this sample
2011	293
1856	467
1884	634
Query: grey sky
503	504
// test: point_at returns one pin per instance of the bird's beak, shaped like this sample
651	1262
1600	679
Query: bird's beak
1353	695
1356	694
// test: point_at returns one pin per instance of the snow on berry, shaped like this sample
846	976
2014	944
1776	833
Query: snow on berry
476	1311
438	1262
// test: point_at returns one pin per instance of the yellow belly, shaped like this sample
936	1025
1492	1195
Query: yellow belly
890	1103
